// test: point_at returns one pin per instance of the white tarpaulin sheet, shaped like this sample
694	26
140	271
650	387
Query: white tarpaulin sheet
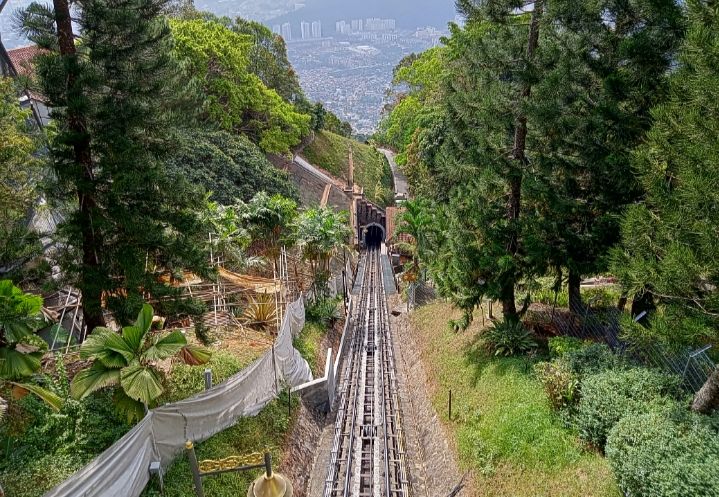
122	470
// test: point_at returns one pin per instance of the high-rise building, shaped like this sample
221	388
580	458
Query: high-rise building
357	25
305	28
375	24
287	31
317	29
277	29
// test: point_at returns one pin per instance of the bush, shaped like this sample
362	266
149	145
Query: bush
662	456
561	346
560	384
323	311
509	338
185	380
609	396
592	359
51	446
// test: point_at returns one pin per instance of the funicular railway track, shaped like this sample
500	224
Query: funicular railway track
368	455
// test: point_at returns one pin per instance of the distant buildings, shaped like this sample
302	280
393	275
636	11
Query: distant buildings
343	28
317	29
376	24
305	29
287	31
357	26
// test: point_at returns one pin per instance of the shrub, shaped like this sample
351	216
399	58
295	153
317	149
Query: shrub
560	346
546	296
592	359
662	456
509	338
611	395
323	311
560	384
185	380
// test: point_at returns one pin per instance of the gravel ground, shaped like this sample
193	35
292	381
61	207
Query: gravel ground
301	447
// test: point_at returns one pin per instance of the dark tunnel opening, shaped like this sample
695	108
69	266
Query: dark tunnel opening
374	236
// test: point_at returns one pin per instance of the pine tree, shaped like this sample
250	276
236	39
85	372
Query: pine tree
669	242
117	101
492	72
604	68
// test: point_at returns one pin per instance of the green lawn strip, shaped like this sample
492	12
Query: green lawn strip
308	344
330	152
502	424
185	381
250	434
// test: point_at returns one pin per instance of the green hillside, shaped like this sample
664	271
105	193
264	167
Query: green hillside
330	152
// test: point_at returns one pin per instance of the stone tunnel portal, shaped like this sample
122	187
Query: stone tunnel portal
374	235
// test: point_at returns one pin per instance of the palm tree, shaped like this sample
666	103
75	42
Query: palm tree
320	233
270	220
20	317
128	360
415	221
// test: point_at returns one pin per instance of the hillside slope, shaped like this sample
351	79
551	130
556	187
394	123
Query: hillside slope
330	152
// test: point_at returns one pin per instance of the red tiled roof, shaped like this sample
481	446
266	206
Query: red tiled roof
22	59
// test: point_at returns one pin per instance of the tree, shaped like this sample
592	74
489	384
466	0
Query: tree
128	360
228	166
117	102
268	60
415	220
669	241
20	354
270	222
20	174
320	233
217	59
604	67
491	71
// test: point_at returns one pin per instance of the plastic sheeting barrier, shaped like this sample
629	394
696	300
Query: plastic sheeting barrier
123	469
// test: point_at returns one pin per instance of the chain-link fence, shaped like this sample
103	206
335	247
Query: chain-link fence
604	326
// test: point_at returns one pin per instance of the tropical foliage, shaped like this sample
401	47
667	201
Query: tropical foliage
228	166
321	233
20	174
20	350
217	59
128	360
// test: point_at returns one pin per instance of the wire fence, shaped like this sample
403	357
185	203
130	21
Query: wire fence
604	326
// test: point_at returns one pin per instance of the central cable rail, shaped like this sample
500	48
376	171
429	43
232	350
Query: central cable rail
368	457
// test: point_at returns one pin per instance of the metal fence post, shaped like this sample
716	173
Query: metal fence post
208	378
195	467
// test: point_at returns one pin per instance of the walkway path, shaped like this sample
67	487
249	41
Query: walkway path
401	186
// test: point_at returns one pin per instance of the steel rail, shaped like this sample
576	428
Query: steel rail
368	402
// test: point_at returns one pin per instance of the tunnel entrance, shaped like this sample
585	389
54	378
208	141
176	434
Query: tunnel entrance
374	235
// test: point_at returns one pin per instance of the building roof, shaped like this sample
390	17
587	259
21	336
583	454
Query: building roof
22	59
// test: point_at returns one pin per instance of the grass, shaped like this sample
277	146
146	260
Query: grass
308	344
251	434
503	428
371	169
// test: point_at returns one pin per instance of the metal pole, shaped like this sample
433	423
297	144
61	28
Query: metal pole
268	465
195	467
208	378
